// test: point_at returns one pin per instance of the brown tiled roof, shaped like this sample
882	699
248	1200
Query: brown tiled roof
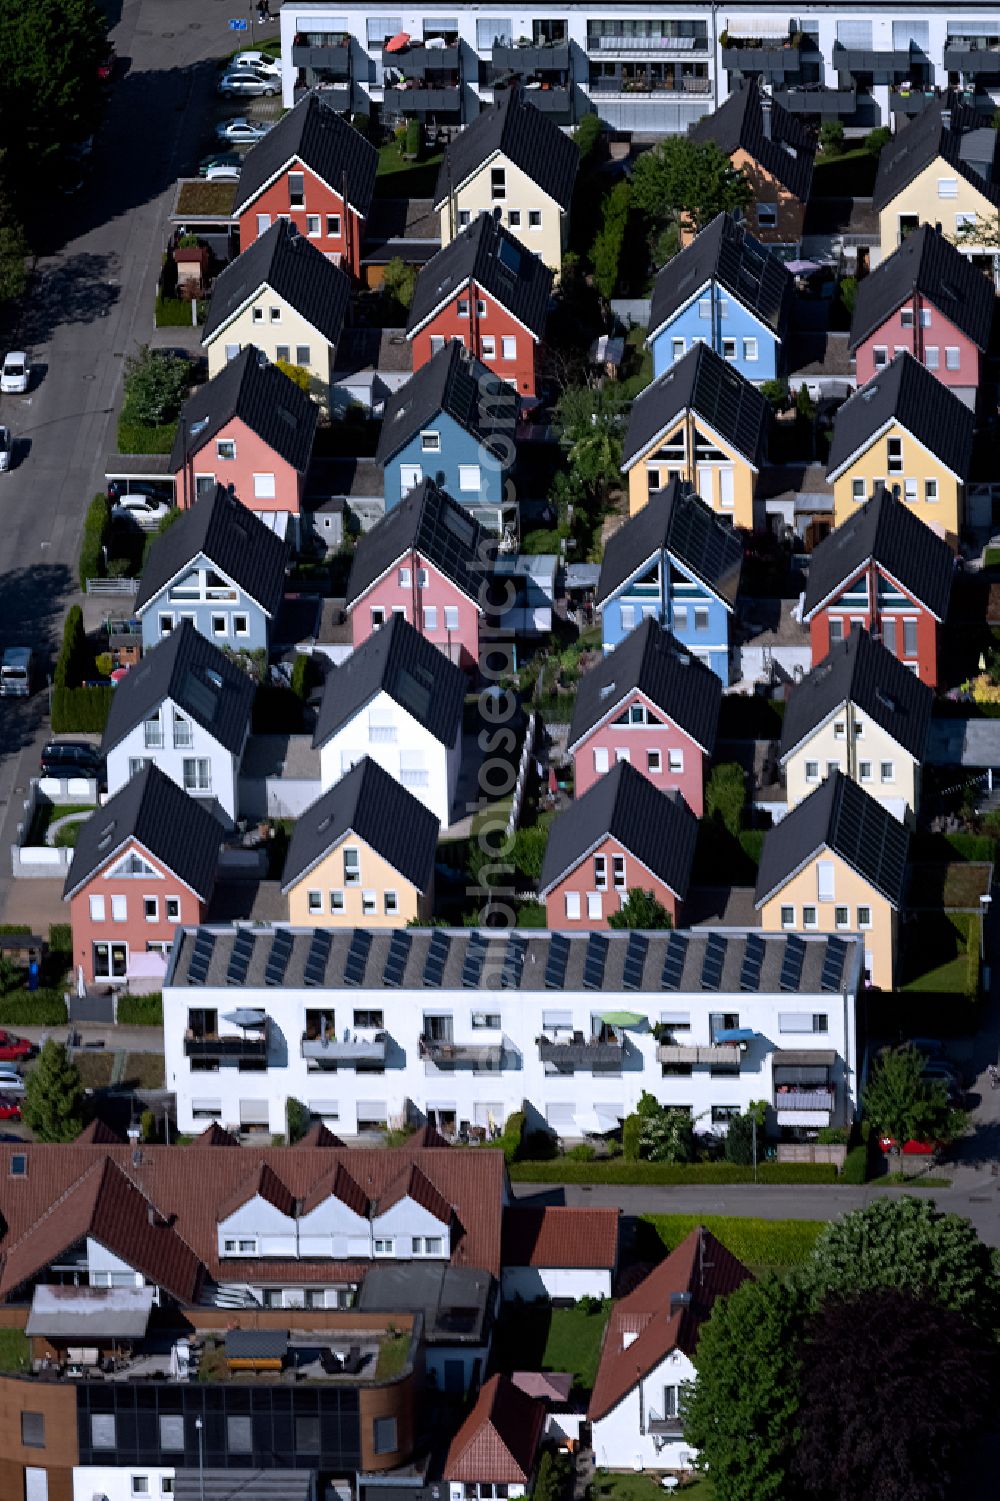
216	1136
413	1184
55	1202
265	1182
426	1136
342	1186
498	1441
558	1237
99	1131
699	1271
318	1135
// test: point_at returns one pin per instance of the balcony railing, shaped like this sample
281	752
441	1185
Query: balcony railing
661	1427
526	60
822	1097
817	99
461	1054
645	87
334	1052
382	734
647	44
862	60
334	61
773	60
423	101
580	1053
417	61
971	55
236	1047
551	101
719	1054
910	101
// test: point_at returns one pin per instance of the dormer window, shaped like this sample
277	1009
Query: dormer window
430	442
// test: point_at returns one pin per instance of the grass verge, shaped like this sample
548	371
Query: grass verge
536	1336
762	1245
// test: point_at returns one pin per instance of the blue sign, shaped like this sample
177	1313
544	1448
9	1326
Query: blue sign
238	25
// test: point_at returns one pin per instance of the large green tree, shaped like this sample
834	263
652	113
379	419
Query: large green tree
899	1102
13	245
640	909
689	181
53	1096
156	384
741	1415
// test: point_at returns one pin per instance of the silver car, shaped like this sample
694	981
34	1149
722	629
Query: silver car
6	449
247	83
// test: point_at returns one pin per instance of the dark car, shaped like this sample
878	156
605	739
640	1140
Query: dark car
63	758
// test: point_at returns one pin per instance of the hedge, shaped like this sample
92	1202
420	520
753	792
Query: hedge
60	938
175	312
141	1010
856	1165
513	1132
617	1170
142	437
778	1244
84	710
33	1008
95	527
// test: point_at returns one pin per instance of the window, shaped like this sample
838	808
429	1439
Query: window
486	1020
514	218
263	223
864	917
119	909
721	1115
895	455
151	908
910	490
842	916
930	490
947	187
430	617
601	759
622	753
857	489
369	903
481	308
909	638
241	625
618	871
627	613
729	349
283	352
33	1430
906	317
225	448
352	867
173	908
701	617
307	1435
812	771
534	218
677	347
767	215
836	629
489	347
965	222
498	182
749	349
675	761
333	226
171	1431
274	313
932	356
451	617
508	347
880	356
257	315
422	578
887	771
296	189
166	624
572	906
809	917
97	909
102	1431
336	901
952	358
239	1436
314	900
788	917
384	1246
654	762
468	477
839	730
378	616
263	487
166	1485
704	307
220	625
463	307
437	343
302	354
595	909
865	771
313	226
197	774
384	1435
429	1245
464	218
601	872
825	880
140	1485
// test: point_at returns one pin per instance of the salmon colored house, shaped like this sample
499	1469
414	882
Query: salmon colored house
652	703
492	295
143	866
251	430
429	561
775	153
318	172
622	835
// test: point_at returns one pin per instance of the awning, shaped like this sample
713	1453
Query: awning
609	1117
245	1016
802	1057
757	28
735	1034
621	1018
86	1314
152	966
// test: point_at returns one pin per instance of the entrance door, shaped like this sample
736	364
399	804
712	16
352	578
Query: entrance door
36	1484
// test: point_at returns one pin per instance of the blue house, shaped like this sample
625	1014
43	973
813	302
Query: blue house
453	423
677	562
218	566
727	290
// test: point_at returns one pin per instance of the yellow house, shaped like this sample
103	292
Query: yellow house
836	864
512	162
362	855
908	432
862	712
287	298
703	420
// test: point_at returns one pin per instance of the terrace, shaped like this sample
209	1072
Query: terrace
564	1054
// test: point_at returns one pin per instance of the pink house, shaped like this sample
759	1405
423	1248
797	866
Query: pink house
928	298
429	561
250	430
620	836
143	866
654	704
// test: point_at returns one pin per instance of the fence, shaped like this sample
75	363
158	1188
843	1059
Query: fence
47	861
522	775
813	1151
113	586
632	310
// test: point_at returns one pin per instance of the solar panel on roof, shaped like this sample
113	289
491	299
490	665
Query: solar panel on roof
277	959
635	958
437	957
399	952
475	957
509	256
319	952
791	965
513	962
673	961
753	959
239	959
555	964
714	959
594	961
357	956
833	964
201	957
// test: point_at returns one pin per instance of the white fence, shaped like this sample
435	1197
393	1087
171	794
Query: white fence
522	774
47	861
113	586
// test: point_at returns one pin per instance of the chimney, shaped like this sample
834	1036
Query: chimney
765	116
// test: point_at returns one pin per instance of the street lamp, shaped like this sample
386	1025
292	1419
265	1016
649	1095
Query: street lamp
201	1457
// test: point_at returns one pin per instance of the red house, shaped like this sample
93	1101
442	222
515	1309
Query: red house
316	170
653	703
621	835
883	569
430	562
144	865
929	298
492	295
250	430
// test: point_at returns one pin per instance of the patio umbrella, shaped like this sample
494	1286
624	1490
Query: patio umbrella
398	42
799	268
622	1018
245	1016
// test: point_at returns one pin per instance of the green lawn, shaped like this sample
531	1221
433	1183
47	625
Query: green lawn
392	1354
947	979
398	178
49	813
628	1486
763	1245
539	1337
15	1353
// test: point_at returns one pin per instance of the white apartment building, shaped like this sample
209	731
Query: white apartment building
649	69
461	1027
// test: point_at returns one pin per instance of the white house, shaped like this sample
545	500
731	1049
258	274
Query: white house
647	1357
556	1254
460	1028
397	699
186	710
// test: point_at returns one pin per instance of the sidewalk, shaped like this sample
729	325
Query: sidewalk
115	1039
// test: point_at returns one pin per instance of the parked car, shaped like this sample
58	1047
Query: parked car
64	758
106	64
222	174
143	510
11	1082
17	672
219	159
12	1048
247	83
241	131
6	449
261	62
15	374
10	1110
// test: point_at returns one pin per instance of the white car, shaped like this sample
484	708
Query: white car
11	1081
15	373
261	62
221	174
241	131
142	510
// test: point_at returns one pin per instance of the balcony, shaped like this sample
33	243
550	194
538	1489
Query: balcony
592	1054
714	1055
622	43
345	1052
647	86
663	1428
553	101
525	61
860	60
974	55
417	62
424	101
334	61
772	60
483	1056
229	1048
805	1097
817	99
910	101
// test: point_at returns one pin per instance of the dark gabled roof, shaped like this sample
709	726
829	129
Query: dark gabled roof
321	140
429	522
374	807
931	266
499	264
259	394
201	680
176	829
714	391
233	539
861	671
886	532
677	521
781	145
294	270
905	392
398	661
666	673
526	137
921	142
456	383
842	817
658	828
741	266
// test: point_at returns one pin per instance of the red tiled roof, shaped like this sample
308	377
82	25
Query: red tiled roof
426	1136
265	1182
411	1183
498	1441
342	1186
700	1268
216	1136
99	1131
554	1236
318	1135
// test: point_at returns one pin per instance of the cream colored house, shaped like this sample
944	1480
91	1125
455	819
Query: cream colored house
511	162
286	298
836	865
862	712
362	855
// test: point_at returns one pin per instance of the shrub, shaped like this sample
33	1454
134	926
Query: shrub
71	664
831	138
298	1118
876	139
399	282
413	142
141	1010
104	662
581	1152
780	1244
606	251
631	1137
147	1125
832	1136
33	1008
622	1170
297	374
61	939
139	437
726	796
776	392
553	1480
155	386
174	312
856	1165
752	844
81	710
362	124
849	293
587	137
95	528
513	1135
301	674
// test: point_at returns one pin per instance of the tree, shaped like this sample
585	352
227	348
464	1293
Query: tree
297	374
589	419
741	1414
898	1100
831	138
726	796
13	246
399	282
877	139
740	1134
641	909
687	180
298	1119
666	1134
891	1390
606	252
587	136
775	392
528	851
156	384
413	141
53	1096
908	1244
